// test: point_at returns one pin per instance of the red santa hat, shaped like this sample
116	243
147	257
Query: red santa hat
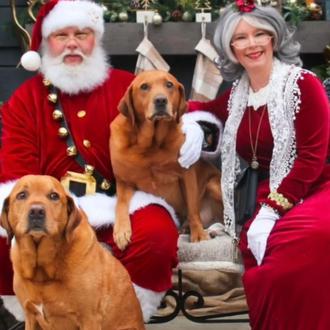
58	14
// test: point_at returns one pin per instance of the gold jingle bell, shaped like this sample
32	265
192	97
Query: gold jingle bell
105	185
57	114
87	143
89	169
52	97
63	132
71	151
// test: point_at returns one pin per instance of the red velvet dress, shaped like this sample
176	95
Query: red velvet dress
290	289
31	145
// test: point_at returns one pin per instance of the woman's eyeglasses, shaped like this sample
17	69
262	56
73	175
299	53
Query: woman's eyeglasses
260	39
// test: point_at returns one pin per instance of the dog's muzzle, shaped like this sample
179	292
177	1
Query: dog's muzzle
36	218
160	107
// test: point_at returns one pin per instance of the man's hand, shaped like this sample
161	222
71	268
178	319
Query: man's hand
259	231
191	149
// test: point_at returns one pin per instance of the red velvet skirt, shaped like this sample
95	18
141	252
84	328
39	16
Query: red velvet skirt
290	290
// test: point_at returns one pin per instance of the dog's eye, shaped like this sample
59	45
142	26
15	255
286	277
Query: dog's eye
21	195
144	87
54	196
169	84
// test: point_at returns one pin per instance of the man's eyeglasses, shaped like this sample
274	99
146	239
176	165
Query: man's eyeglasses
77	36
260	39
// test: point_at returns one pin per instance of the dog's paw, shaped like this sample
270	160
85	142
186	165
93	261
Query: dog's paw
122	235
199	235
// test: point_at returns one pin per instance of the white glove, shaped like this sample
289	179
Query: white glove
191	149
259	231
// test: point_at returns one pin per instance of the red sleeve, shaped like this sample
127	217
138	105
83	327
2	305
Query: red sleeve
218	106
312	140
19	141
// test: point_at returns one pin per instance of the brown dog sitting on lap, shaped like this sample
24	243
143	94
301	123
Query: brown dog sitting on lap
63	277
145	141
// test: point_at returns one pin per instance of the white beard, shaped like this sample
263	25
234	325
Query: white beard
73	79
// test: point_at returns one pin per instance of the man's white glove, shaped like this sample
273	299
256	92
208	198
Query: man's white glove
259	231
191	149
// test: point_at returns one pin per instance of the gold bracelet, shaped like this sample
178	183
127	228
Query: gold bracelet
280	200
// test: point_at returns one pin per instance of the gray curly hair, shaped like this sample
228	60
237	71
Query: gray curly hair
266	18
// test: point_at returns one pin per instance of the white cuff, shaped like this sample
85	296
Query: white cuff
207	117
149	301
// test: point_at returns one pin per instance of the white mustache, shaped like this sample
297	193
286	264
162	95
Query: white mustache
69	52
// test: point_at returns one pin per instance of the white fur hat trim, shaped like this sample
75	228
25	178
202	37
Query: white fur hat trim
80	13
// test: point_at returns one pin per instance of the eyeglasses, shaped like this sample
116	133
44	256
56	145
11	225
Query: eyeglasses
77	36
260	39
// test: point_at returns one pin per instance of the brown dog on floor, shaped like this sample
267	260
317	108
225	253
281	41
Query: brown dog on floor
145	141
63	277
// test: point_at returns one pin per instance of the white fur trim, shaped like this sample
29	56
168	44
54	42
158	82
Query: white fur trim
208	117
3	233
149	301
100	208
31	60
5	189
14	307
80	13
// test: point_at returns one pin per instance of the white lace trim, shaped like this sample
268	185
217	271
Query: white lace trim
259	98
283	104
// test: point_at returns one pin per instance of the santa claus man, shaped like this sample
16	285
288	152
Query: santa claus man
58	121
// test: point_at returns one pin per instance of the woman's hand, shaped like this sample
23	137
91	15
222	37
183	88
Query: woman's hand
259	231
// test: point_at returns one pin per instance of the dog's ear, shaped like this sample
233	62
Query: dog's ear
182	105
4	221
74	218
126	106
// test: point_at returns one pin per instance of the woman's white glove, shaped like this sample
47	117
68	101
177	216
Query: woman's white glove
259	231
191	149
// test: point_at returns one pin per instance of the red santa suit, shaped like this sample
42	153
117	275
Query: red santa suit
290	289
31	145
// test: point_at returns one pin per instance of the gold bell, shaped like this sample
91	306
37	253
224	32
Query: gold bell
57	114
105	185
81	114
87	143
63	132
46	82
71	151
52	97
89	169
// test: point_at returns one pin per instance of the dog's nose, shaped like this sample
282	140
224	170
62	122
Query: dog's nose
160	102
36	215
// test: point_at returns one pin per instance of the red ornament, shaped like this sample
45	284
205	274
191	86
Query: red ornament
245	6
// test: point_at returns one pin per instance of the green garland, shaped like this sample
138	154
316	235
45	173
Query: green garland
169	10
294	11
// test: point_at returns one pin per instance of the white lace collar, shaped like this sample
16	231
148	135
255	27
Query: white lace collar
259	98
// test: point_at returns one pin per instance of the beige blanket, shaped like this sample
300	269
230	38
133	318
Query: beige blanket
207	268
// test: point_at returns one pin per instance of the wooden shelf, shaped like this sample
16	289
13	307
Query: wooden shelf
180	38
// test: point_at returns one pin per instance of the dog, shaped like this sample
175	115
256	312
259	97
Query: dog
145	140
63	277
